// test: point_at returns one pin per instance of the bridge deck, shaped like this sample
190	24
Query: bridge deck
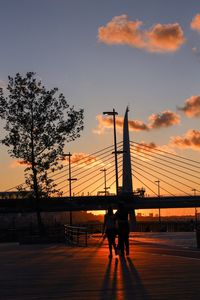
86	203
60	272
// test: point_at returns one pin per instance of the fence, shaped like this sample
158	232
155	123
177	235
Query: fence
75	235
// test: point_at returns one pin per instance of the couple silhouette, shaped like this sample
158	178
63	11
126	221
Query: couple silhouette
117	225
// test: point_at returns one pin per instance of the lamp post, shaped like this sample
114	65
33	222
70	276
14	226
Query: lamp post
195	209
158	182
114	113
70	179
105	186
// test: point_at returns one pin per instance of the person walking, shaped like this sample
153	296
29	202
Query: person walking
109	228
123	229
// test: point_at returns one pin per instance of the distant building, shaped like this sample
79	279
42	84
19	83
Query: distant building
102	193
140	192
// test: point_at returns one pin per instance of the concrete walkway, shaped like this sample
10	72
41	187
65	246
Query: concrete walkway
60	272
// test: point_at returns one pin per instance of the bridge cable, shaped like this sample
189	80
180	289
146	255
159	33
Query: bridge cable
163	181
153	183
172	154
144	183
172	163
160	168
93	182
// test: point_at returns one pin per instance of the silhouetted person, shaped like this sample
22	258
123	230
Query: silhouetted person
109	228
123	229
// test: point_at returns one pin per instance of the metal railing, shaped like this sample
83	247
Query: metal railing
75	235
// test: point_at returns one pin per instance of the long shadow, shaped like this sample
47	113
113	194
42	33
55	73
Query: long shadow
122	280
109	286
132	284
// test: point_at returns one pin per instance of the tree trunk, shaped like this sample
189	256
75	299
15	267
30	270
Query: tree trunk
41	228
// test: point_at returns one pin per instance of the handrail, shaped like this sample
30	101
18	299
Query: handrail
75	235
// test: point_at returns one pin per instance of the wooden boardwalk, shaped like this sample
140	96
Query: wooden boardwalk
60	272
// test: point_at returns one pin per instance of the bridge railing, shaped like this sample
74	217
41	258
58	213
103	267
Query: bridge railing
75	235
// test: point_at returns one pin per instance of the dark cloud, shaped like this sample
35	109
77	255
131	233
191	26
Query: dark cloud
164	119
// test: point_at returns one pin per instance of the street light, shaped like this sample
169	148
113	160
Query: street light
114	113
195	209
158	182
105	187
70	179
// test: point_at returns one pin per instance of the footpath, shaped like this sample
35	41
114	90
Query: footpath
62	272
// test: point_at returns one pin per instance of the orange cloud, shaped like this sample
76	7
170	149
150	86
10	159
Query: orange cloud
144	147
160	38
165	119
195	24
190	140
107	122
165	38
191	107
147	146
148	150
17	163
136	125
103	122
122	31
84	160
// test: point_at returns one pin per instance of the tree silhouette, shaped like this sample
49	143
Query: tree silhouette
38	122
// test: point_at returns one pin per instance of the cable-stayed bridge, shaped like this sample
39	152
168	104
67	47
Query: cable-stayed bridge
178	178
143	176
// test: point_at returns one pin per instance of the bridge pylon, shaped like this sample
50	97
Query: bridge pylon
127	185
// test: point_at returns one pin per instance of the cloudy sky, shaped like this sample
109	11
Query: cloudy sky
109	54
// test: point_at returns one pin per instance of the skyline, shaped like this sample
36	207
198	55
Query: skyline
109	55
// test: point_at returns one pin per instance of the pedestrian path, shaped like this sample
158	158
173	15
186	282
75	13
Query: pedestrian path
60	272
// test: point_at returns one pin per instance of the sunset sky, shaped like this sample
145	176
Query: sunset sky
109	54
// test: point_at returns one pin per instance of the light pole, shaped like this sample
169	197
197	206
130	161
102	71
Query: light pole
158	182
114	113
105	186
195	209
70	179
